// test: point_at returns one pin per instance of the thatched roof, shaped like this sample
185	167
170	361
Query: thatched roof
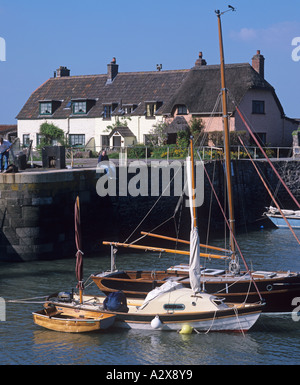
133	88
197	89
201	87
178	124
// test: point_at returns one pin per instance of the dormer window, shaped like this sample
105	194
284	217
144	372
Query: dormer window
82	106
151	109
128	108
108	110
182	110
45	108
79	108
48	107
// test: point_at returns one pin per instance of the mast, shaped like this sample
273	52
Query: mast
193	182
226	136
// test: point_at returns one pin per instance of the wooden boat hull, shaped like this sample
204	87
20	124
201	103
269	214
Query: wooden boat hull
66	320
276	288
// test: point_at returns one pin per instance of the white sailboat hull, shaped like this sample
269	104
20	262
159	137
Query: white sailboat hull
234	323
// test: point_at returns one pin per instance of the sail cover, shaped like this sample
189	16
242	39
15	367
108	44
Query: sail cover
194	269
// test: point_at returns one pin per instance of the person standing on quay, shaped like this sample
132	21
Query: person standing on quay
4	153
102	157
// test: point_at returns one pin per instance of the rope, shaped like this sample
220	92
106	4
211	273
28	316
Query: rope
264	154
28	300
234	238
25	302
210	121
207	331
237	316
179	169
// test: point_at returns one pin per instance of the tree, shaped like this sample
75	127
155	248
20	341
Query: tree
158	134
49	132
120	122
183	139
196	127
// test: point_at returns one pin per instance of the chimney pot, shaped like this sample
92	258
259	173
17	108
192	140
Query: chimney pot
258	63
200	62
62	71
112	70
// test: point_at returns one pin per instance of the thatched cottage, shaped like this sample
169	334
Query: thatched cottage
85	106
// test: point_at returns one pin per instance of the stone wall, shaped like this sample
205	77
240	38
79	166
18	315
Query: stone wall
37	212
37	208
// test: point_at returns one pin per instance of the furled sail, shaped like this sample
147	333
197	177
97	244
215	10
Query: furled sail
194	269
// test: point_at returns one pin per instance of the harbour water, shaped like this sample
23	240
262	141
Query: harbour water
273	340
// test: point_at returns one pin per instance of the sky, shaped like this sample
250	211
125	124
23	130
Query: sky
37	37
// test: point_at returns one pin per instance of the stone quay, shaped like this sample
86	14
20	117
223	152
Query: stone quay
37	208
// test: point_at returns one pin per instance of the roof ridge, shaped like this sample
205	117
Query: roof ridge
121	73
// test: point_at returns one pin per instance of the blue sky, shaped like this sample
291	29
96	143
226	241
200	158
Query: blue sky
86	35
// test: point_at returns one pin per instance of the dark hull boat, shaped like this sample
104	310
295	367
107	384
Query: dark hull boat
276	288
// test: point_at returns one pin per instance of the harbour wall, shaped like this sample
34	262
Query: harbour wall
37	208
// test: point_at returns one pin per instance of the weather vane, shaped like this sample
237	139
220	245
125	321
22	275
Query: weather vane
231	8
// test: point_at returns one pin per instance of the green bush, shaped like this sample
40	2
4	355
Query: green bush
138	152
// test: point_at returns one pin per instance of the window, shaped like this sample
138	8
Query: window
45	108
105	140
39	138
261	137
77	139
181	110
150	110
107	112
79	107
26	140
258	107
174	306
48	107
129	108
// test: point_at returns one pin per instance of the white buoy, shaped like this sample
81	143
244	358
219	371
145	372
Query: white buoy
156	322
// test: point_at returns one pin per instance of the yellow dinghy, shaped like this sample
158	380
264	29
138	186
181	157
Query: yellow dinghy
66	320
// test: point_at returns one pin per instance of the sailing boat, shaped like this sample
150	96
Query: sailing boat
66	319
278	288
169	307
278	217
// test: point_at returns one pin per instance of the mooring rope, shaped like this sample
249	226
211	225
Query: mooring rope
28	300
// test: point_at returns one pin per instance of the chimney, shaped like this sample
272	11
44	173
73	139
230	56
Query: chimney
258	63
200	62
112	70
62	71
